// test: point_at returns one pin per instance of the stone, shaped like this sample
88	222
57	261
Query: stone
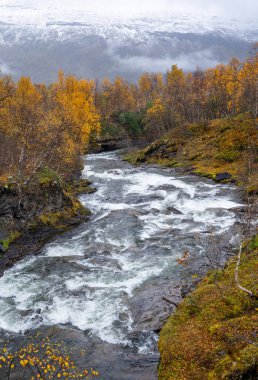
173	210
153	305
223	176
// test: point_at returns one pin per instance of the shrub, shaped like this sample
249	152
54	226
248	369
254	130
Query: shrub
132	122
48	176
229	155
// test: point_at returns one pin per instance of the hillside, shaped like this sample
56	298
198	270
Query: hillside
38	39
219	149
213	334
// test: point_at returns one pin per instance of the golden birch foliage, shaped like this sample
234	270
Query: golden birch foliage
145	86
233	86
248	77
154	119
176	95
6	89
45	125
22	111
76	109
216	80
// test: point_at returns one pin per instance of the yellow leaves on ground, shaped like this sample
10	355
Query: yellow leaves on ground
47	360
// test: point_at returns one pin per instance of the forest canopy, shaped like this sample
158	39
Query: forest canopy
52	126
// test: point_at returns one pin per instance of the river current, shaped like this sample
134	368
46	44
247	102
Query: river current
107	279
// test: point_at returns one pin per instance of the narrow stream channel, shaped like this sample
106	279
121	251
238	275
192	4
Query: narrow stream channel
102	285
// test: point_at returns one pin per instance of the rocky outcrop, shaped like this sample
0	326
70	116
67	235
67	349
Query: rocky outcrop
223	177
154	304
31	216
108	145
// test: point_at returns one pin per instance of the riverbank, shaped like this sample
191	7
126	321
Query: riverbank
222	150
213	333
31	218
109	285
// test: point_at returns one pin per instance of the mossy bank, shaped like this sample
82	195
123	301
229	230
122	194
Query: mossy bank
30	216
219	149
214	332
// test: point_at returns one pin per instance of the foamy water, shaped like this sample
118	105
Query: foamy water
87	278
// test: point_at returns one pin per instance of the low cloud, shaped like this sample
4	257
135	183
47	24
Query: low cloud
188	62
5	69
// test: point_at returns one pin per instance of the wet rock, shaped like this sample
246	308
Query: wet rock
167	187
113	361
123	317
136	200
104	262
74	258
37	318
25	313
173	210
116	172
223	176
155	211
139	212
151	308
78	267
238	210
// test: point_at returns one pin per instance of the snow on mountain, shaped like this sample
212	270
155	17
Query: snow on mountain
48	23
38	38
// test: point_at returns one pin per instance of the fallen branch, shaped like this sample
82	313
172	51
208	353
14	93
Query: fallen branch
237	273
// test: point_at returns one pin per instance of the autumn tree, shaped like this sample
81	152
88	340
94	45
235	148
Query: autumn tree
150	87
248	78
176	92
45	126
217	91
21	120
197	96
75	110
233	86
155	120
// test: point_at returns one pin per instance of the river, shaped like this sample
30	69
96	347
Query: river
102	286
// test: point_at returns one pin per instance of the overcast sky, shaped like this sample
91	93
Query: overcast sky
241	9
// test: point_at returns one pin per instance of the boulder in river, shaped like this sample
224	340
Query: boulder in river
223	176
173	210
153	305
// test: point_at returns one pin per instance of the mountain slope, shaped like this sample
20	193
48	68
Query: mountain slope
39	41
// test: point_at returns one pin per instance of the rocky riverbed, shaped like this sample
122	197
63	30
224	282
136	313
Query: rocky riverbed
107	287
